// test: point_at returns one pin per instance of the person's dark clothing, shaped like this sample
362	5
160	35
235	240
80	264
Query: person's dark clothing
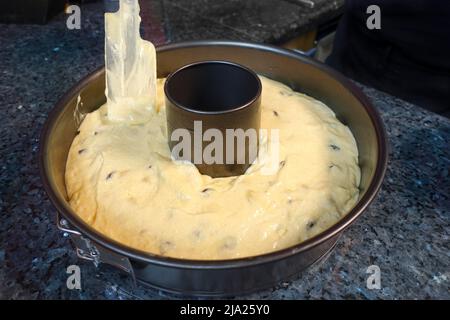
408	57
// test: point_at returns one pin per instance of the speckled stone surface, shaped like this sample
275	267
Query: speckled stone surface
405	231
251	20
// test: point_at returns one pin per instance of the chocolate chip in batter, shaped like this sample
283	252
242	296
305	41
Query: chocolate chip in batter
165	246
334	147
81	151
170	214
250	195
206	190
143	232
336	166
282	163
109	176
310	225
275	113
229	243
95	133
285	93
197	233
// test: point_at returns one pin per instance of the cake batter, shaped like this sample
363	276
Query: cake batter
121	180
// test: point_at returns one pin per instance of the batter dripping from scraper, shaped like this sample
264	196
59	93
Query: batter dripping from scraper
121	179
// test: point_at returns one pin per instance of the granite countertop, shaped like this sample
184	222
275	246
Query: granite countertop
270	21
405	231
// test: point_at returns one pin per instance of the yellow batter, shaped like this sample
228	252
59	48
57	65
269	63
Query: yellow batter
121	180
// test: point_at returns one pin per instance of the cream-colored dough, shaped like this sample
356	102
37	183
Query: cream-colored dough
121	180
